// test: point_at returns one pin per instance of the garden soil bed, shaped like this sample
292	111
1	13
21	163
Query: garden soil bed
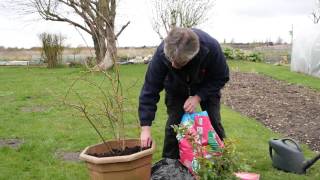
292	110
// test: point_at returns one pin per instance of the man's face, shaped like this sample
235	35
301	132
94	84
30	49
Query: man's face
174	65
178	65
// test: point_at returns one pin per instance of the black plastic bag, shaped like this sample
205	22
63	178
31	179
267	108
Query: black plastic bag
170	169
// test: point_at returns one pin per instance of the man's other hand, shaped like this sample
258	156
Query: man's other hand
191	104
145	136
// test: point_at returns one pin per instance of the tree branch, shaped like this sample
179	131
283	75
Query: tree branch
123	27
81	10
47	12
54	17
181	13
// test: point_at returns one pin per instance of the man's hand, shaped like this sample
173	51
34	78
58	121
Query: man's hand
191	104
145	136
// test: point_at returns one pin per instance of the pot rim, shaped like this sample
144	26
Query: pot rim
115	159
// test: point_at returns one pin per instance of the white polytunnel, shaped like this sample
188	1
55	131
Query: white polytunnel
305	56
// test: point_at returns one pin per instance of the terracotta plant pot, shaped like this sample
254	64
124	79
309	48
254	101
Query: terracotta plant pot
136	166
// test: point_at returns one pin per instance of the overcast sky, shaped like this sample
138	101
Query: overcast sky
240	20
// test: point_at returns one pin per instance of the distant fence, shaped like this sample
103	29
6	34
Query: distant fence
276	53
14	63
37	60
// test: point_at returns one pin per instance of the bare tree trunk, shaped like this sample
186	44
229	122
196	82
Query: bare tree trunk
99	47
111	50
106	35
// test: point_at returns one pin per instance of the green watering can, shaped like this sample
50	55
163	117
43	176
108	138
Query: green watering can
287	155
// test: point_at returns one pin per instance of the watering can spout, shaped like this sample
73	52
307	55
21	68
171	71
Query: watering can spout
310	162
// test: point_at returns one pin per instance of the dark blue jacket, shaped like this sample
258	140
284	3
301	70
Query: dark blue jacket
204	76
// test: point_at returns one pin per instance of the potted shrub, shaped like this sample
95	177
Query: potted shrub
103	106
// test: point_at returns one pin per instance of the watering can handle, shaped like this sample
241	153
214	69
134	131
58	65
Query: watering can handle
293	141
270	151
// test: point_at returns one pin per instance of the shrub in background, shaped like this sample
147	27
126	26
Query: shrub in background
74	64
229	53
254	57
238	54
52	48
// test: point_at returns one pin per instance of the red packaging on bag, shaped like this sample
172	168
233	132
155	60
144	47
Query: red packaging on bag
200	129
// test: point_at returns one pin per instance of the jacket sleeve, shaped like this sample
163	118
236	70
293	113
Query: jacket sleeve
150	92
217	75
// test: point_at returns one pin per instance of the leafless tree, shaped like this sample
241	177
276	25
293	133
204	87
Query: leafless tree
178	13
315	15
95	17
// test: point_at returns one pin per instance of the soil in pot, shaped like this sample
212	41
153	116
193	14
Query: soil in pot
119	152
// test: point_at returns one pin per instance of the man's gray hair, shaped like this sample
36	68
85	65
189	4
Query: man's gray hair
181	45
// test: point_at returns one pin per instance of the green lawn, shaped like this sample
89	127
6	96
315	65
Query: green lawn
55	128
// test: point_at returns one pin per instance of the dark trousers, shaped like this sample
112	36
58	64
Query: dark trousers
175	112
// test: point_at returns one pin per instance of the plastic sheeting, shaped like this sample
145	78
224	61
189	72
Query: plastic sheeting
305	56
170	169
